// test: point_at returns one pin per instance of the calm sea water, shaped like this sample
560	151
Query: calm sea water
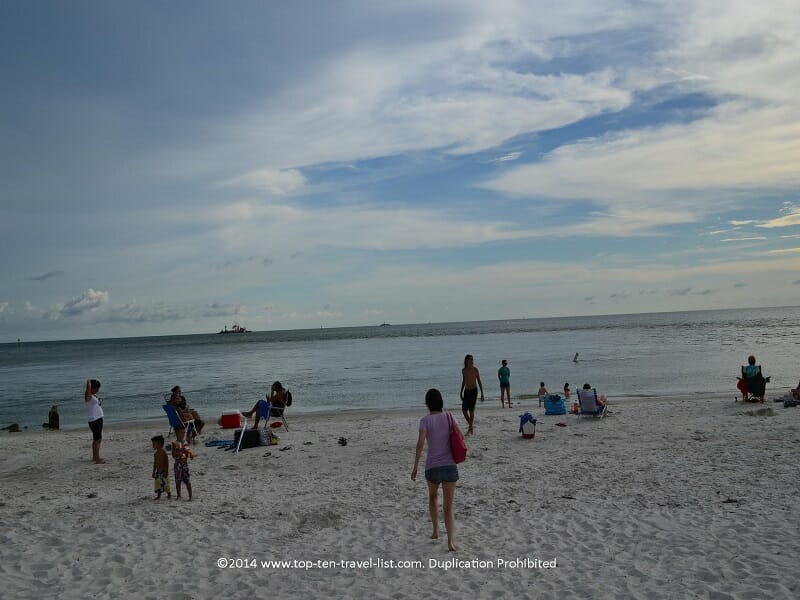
684	353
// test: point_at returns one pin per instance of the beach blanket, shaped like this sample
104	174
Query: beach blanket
219	443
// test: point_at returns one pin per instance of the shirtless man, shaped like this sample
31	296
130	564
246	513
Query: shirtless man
470	381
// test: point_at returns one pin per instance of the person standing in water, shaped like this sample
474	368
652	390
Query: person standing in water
504	375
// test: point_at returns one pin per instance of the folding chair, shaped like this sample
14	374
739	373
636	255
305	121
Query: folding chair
176	422
755	382
589	404
267	410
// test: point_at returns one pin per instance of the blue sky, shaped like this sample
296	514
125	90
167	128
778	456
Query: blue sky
175	167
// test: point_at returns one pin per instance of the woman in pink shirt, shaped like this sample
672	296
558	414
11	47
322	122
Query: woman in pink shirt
440	468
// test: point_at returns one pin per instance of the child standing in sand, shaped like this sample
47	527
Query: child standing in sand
542	392
470	381
160	467
182	455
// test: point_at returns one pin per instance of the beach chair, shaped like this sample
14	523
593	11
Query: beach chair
589	405
755	382
177	422
267	411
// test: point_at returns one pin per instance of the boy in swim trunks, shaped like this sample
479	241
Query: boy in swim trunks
160	467
470	381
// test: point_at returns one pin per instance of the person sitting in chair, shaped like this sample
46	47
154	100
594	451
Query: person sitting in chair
756	382
277	401
601	400
179	402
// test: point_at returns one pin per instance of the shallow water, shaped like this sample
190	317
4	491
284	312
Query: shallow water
662	354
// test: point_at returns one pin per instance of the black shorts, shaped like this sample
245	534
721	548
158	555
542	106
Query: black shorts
97	429
505	385
470	398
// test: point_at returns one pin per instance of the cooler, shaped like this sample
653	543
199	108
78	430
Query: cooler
231	419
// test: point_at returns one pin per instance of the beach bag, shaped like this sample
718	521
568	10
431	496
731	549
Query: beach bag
267	438
251	438
288	398
554	405
457	444
527	426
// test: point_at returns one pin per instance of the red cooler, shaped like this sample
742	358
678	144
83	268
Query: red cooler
231	419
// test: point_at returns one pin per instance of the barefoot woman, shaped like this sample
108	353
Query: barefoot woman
440	468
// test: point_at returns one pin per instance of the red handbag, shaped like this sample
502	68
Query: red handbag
457	444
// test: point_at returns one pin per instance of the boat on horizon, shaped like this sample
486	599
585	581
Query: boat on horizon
235	329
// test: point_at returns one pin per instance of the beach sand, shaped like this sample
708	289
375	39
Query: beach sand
672	498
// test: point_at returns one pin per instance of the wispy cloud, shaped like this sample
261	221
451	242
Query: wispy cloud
744	239
89	301
46	276
784	251
275	182
787	220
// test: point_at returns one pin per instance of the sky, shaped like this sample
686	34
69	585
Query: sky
175	167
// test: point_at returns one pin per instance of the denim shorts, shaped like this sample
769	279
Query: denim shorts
437	475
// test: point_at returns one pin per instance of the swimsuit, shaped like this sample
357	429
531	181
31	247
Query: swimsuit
470	398
161	483
181	472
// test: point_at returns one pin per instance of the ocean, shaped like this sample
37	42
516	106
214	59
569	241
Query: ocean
392	366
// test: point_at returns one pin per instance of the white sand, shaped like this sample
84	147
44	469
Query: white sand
663	499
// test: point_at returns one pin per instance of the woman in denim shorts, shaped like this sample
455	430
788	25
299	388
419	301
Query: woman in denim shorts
440	468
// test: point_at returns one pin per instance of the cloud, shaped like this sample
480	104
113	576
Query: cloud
740	285
739	223
788	220
3	307
221	310
275	182
680	292
244	224
46	276
785	251
743	239
796	282
511	156
92	300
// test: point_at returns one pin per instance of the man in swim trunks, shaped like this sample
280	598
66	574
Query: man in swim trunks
470	381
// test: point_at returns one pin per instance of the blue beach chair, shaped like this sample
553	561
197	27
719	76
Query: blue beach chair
589	404
176	422
267	410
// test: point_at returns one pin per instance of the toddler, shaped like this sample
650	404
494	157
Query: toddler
182	455
160	467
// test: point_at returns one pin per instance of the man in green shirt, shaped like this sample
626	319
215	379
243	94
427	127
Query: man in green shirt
504	375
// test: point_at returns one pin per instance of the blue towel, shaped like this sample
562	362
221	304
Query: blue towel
220	443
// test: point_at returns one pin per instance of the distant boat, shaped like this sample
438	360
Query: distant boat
235	329
384	324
